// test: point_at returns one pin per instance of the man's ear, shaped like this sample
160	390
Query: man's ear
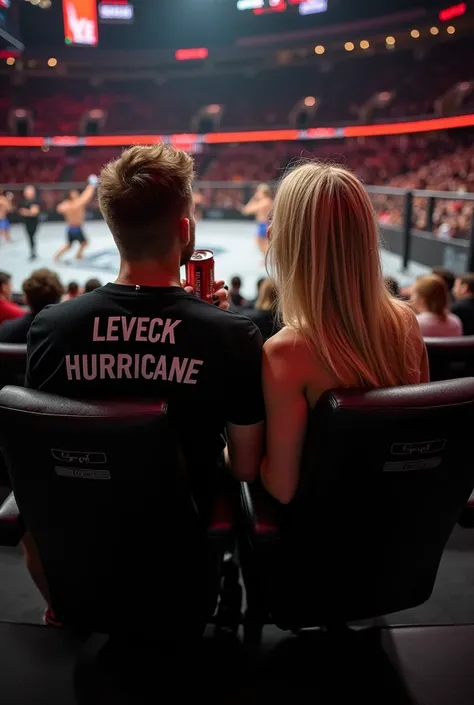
184	231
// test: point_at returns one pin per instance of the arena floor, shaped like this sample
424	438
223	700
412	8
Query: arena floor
233	243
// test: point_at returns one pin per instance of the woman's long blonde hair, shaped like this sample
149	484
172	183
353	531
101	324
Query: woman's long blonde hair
325	256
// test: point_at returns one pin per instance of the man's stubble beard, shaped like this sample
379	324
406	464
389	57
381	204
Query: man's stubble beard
188	250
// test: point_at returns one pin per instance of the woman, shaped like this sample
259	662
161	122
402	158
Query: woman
430	300
342	327
264	313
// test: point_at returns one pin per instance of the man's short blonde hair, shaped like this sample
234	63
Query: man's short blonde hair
141	195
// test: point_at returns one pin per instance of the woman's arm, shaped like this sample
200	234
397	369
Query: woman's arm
286	415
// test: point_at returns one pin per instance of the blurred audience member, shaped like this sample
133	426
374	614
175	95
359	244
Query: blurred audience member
342	328
92	285
41	289
234	292
393	286
430	300
448	277
464	306
72	291
252	302
8	310
264	313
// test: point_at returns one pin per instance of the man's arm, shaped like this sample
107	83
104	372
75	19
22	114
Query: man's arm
62	207
245	406
44	355
251	208
87	195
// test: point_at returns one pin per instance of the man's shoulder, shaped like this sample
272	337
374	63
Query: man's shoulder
68	313
228	320
463	305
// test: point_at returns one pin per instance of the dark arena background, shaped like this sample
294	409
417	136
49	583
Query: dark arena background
249	88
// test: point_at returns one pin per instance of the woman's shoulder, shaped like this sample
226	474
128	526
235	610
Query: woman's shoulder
286	342
456	322
288	354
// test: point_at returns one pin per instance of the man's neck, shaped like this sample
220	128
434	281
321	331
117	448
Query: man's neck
148	274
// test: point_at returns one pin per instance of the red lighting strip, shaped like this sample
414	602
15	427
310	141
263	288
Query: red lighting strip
454	11
260	136
402	128
281	7
191	54
393	128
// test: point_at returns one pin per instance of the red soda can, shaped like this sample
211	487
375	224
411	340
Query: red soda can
200	274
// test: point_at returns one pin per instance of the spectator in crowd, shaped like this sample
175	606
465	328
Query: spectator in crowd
234	292
145	337
92	285
252	302
464	306
448	277
342	328
42	288
8	310
264	313
72	291
430	300
393	286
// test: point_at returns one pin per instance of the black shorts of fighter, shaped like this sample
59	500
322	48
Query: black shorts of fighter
75	234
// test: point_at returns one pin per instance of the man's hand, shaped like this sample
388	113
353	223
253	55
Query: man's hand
93	180
221	295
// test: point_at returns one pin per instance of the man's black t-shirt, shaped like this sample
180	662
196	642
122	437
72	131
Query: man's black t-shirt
465	310
28	203
160	343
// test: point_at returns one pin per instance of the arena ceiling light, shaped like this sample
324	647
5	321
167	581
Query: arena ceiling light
415	33
250	4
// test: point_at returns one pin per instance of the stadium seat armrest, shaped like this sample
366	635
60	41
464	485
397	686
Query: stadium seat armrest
221	522
259	510
466	520
11	523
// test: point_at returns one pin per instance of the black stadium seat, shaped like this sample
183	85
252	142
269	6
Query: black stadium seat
385	476
450	358
12	364
103	490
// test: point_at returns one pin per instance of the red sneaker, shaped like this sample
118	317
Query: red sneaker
50	619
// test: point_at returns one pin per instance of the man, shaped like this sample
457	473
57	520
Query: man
144	336
8	310
234	292
74	211
448	277
29	210
92	285
5	208
42	288
260	205
464	306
